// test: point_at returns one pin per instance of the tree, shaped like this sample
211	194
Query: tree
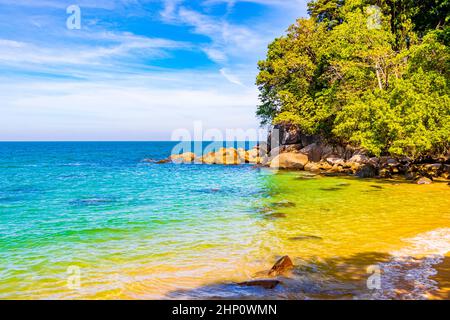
382	87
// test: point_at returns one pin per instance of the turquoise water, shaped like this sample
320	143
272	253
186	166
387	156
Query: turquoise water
124	228
99	207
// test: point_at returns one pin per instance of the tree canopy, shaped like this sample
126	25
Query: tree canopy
372	73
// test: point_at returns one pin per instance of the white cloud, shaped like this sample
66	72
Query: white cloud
230	77
113	45
228	41
142	107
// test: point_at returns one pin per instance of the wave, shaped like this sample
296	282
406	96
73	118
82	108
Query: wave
408	273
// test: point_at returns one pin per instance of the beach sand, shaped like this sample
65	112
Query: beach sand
443	279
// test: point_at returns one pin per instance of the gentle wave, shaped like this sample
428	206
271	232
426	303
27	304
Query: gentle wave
408	274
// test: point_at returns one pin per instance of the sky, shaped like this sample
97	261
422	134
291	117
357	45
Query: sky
135	69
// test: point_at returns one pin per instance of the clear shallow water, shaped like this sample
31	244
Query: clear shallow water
142	230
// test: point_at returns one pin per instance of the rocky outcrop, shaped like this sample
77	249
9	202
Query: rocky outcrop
319	157
290	160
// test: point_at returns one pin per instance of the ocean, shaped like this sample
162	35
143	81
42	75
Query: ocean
94	220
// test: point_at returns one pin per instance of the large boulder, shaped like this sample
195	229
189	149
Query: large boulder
289	160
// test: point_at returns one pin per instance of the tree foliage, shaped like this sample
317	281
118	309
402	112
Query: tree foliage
373	73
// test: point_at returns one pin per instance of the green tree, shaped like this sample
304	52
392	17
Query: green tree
384	87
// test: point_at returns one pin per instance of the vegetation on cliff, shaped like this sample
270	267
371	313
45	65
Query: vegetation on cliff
372	73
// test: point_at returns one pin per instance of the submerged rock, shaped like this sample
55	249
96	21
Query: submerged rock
266	283
275	215
284	204
282	265
305	237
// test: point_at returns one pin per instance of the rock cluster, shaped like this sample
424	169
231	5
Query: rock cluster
310	153
223	156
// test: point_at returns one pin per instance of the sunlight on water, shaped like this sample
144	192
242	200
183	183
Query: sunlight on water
141	230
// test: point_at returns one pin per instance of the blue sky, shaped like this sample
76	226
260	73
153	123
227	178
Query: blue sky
136	70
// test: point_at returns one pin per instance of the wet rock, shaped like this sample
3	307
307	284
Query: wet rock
366	171
296	161
266	283
282	265
424	180
162	161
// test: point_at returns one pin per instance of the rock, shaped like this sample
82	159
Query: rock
336	169
275	215
162	161
266	284
149	160
366	171
359	158
424	180
385	173
335	160
410	176
184	157
228	156
283	204
252	156
317	151
289	161
312	167
209	158
324	165
391	162
242	154
305	237
282	265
